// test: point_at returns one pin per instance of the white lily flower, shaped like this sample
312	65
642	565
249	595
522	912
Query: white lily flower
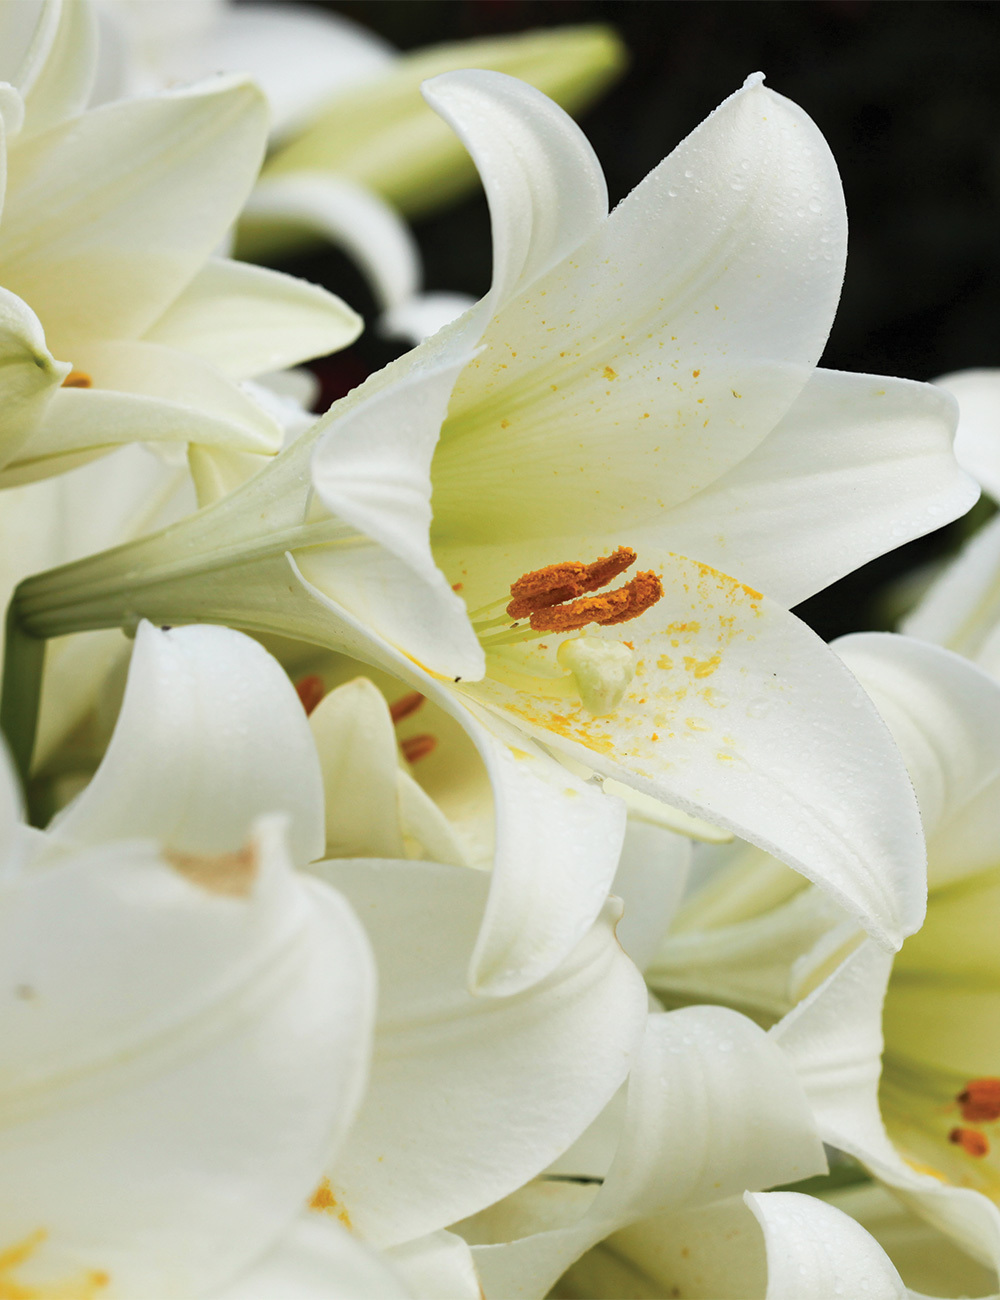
175	994
116	321
664	395
898	1056
468	1097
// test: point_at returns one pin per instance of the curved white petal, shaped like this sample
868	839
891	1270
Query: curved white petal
664	348
650	879
944	714
108	216
739	714
437	1267
927	1261
860	464
29	374
712	1109
469	1096
300	57
383	137
422	315
749	964
318	1259
247	320
977	443
815	1251
184	1042
299	206
543	181
714	1251
359	759
154	394
58	68
211	735
961	608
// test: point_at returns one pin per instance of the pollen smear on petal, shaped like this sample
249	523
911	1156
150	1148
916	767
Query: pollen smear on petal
972	1142
78	379
230	874
980	1100
404	706
417	747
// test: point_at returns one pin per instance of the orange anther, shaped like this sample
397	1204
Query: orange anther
972	1142
78	379
541	581
310	691
980	1100
417	747
618	606
644	590
405	705
608	567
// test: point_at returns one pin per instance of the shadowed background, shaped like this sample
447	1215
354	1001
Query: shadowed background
908	96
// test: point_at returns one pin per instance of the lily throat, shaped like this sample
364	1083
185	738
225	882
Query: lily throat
567	597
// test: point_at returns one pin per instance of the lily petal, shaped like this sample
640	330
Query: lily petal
961	608
859	465
29	374
246	320
57	72
977	443
152	392
944	714
110	215
702	1123
438	1267
739	714
171	1016
543	181
284	211
383	138
525	1073
359	758
317	1260
815	1251
299	57
715	257
254	751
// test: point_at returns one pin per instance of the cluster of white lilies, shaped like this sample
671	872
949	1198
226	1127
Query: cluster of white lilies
434	862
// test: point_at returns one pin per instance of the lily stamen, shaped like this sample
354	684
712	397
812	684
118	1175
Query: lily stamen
980	1100
78	379
553	600
404	706
417	747
972	1142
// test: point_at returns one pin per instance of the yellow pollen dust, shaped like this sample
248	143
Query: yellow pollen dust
86	1287
553	600
78	379
324	1200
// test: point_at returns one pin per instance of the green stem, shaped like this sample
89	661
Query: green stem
24	660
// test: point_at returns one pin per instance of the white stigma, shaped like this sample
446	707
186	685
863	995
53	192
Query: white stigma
602	670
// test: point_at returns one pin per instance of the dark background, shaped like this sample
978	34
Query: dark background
908	96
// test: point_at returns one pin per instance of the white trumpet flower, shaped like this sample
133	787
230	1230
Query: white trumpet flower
117	323
640	384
